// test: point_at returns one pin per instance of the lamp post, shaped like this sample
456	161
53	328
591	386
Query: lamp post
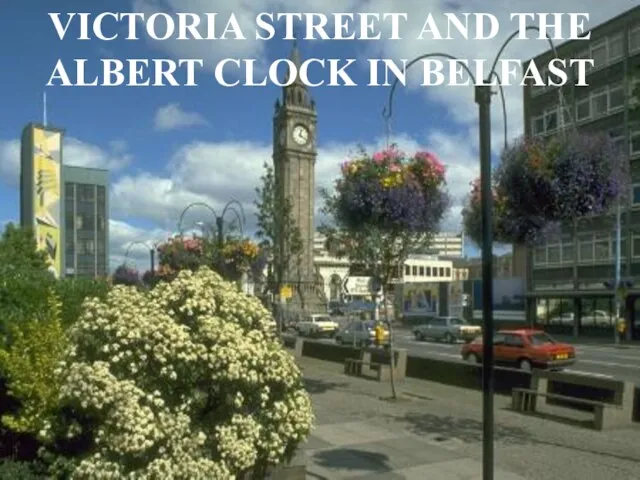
130	245
483	99
230	206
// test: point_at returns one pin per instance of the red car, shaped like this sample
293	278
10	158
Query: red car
525	348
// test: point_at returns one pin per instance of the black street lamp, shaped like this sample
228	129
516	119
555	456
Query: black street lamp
230	206
483	94
152	251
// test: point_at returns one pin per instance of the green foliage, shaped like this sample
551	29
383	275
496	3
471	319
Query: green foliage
28	365
19	471
24	278
72	293
277	231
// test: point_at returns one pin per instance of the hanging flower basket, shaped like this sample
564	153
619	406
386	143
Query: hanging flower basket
541	183
126	275
180	253
238	256
391	191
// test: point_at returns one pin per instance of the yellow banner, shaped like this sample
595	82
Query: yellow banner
46	194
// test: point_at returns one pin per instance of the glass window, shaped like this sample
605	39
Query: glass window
636	194
599	103
428	271
551	120
615	47
553	254
599	54
583	109
407	270
635	142
513	340
616	97
586	251
634	38
435	271
582	54
568	253
537	125
442	271
448	272
540	338
636	246
421	271
602	249
414	270
498	339
540	255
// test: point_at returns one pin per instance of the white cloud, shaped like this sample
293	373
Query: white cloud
75	152
132	244
172	116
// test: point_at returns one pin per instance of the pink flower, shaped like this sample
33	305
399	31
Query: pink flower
395	168
379	158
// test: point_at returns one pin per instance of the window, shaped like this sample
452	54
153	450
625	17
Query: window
568	253
616	97
442	271
599	102
634	38
540	255
551	120
636	246
428	271
435	271
602	249
583	109
599	54
582	54
498	339
636	194
414	271
513	341
586	251
615	47
422	271
448	272
537	125
553	254
634	142
407	270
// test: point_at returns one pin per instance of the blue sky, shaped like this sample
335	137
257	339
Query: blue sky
166	147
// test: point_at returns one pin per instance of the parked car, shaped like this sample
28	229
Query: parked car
359	333
525	348
447	329
317	325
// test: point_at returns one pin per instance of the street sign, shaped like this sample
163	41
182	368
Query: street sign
358	286
286	292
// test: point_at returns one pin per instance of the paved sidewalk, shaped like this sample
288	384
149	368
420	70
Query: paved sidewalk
434	432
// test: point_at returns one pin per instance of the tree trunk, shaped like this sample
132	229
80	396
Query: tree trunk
394	396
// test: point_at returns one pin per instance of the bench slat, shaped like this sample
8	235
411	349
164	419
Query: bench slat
565	397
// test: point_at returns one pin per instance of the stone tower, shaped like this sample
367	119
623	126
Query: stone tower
294	159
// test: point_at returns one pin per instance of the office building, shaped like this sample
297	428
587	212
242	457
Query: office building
74	234
565	278
86	222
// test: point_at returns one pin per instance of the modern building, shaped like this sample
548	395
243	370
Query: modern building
448	245
75	234
565	278
86	222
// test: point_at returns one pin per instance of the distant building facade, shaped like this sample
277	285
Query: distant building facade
67	207
86	222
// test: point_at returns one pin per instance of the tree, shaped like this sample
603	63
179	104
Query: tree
383	208
25	281
278	233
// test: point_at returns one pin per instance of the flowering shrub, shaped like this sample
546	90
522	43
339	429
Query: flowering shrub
238	256
125	275
391	191
541	183
183	381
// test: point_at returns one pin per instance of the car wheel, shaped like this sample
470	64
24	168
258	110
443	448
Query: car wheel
448	338
524	365
473	358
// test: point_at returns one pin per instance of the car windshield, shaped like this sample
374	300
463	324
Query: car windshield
540	338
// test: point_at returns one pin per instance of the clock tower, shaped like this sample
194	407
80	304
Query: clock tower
294	159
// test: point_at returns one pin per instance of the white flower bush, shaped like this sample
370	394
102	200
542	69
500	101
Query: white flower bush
186	381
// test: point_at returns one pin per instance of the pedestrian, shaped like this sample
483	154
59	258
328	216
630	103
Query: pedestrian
379	335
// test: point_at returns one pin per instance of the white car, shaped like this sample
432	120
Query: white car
317	325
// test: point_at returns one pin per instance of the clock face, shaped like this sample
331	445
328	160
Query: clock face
300	135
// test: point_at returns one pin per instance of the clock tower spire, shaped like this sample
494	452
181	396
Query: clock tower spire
294	159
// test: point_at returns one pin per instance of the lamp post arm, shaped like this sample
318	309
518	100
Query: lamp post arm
194	204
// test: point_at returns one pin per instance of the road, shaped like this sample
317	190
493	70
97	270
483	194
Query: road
596	360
